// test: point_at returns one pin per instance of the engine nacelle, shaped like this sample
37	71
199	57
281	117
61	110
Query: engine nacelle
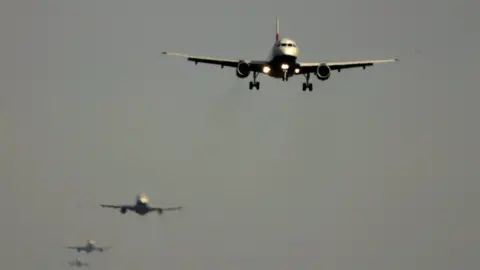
123	210
323	72
243	70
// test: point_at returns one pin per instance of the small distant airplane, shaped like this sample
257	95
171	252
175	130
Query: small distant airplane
78	263
90	246
141	206
281	63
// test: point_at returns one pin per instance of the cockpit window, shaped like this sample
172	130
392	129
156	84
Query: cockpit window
286	45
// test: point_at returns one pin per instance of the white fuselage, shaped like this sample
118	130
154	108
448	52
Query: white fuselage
282	59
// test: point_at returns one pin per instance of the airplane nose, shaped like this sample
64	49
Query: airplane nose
289	50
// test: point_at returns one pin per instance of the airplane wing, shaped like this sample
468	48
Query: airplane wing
223	62
129	207
102	249
77	248
177	208
311	67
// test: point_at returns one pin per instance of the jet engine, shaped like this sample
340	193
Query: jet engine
123	210
323	72
243	70
160	211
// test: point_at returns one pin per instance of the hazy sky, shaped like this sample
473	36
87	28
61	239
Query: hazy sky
373	170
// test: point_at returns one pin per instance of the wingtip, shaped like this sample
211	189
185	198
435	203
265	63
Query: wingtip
164	52
396	59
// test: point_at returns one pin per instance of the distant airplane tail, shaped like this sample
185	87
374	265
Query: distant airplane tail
277	35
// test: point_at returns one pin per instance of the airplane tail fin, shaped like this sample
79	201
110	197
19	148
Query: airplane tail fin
277	35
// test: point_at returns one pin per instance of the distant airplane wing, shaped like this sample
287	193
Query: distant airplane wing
254	65
102	249
176	208
129	207
311	67
77	248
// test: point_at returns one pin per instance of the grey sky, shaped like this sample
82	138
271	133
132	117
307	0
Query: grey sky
374	169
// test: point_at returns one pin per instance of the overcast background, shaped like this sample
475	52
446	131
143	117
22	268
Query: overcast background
374	169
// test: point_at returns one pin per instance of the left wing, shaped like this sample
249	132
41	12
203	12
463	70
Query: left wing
311	67
102	249
223	62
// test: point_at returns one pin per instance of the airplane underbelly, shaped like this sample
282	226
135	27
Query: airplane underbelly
280	59
276	65
142	210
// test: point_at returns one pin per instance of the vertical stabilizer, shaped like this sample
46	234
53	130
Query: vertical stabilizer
277	35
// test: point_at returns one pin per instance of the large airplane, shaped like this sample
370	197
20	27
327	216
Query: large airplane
90	246
141	206
281	63
78	263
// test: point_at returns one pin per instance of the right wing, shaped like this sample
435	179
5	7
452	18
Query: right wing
223	62
102	249
176	208
77	248
129	207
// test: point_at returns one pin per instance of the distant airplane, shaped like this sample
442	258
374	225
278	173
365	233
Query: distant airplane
78	263
281	63
141	206
90	246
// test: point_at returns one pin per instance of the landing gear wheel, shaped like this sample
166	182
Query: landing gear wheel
306	85
254	83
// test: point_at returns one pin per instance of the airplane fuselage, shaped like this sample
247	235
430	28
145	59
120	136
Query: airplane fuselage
142	208
282	59
78	263
90	246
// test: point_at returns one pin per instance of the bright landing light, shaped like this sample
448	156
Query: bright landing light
266	69
284	66
297	70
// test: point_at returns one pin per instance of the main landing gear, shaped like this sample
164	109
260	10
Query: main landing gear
254	83
306	85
